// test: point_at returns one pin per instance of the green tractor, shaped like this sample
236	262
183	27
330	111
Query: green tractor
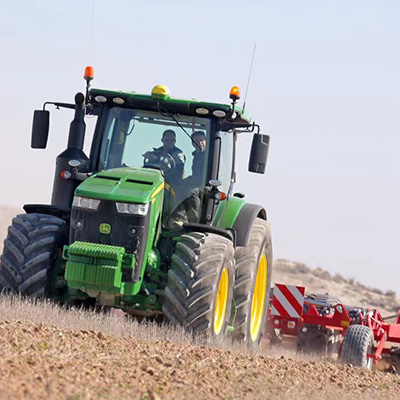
154	231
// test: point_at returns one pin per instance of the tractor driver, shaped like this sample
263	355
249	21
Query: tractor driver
190	197
175	174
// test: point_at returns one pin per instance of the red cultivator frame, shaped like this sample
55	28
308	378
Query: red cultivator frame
323	325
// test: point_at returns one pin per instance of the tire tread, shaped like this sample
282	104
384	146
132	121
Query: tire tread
29	251
246	269
357	340
193	279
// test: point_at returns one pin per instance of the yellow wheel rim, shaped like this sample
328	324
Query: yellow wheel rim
258	302
221	301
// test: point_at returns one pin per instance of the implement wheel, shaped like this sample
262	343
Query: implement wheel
358	343
199	292
30	250
252	284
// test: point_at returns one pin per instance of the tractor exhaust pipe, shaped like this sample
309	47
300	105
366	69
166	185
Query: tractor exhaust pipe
78	127
63	189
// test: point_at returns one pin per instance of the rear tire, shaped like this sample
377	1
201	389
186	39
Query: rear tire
252	284
199	292
358	342
29	253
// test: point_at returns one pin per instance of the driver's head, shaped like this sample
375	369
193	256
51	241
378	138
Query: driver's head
199	139
168	140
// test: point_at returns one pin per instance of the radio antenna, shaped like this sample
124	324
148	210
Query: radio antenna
91	34
248	80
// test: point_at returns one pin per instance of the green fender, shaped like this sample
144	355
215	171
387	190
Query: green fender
238	215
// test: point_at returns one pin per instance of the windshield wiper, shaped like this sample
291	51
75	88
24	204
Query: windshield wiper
180	126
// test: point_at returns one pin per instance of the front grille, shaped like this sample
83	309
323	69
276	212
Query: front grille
85	227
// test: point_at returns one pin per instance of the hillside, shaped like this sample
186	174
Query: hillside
6	216
348	290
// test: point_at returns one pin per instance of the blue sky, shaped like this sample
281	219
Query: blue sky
325	86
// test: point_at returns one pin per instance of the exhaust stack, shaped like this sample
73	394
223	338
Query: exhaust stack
63	189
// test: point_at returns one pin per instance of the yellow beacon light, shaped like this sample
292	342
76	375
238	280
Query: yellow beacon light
160	92
234	93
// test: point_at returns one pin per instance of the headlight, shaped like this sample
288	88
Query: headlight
85	202
132	208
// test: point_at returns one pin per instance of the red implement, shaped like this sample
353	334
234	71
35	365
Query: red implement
291	315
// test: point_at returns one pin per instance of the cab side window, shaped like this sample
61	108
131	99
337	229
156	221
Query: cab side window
226	160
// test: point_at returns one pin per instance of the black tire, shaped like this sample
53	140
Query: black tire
358	342
200	262
248	259
29	253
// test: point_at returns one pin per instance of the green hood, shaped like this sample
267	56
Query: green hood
127	184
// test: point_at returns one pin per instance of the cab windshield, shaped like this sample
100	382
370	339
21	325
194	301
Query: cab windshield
177	145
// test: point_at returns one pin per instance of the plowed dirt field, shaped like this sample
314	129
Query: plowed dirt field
48	352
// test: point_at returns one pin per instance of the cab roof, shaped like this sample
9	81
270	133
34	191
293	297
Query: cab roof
172	105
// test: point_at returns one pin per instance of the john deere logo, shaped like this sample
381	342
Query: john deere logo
105	228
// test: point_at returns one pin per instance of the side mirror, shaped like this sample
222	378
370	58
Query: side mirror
40	129
259	153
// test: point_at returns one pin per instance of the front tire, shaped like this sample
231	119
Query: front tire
199	292
29	254
252	284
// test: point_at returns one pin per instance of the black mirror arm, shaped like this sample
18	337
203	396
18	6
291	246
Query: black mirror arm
249	128
58	105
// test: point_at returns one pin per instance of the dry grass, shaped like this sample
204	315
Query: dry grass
47	313
52	315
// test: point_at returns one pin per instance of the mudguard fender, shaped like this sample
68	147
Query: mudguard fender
244	222
56	211
239	216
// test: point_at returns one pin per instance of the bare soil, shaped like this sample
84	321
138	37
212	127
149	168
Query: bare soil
103	356
50	352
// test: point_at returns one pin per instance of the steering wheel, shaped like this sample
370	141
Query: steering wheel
159	159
